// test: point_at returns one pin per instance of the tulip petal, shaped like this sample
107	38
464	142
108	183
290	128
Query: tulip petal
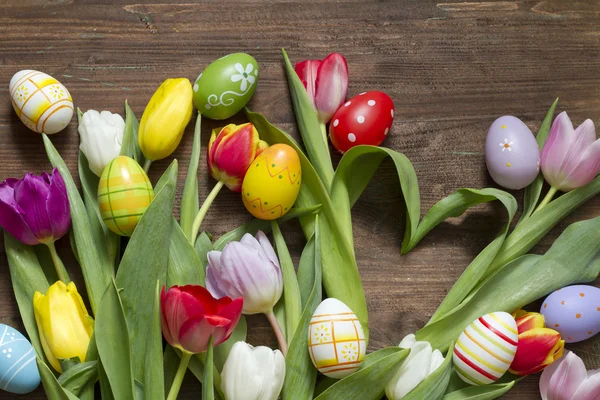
566	378
331	86
529	320
307	72
559	140
586	169
195	334
10	217
267	247
31	194
590	388
197	300
233	312
57	206
168	332
537	348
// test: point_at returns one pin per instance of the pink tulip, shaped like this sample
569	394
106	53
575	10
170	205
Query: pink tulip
571	157
326	82
567	379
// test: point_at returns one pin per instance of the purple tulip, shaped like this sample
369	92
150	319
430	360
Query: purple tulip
35	209
567	379
571	157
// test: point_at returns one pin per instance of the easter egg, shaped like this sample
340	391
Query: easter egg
226	85
574	312
364	119
336	341
18	369
272	182
124	194
512	154
42	103
486	348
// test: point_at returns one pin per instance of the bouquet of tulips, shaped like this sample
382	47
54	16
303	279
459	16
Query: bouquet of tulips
170	298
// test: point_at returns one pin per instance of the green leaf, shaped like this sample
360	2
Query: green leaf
291	291
185	267
153	372
75	378
196	365
533	191
189	199
208	392
170	363
144	262
203	246
485	392
308	125
306	271
222	350
367	383
434	386
130	147
573	258
51	386
300	373
113	344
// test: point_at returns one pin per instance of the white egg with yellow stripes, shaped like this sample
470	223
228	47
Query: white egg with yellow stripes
336	341
486	348
42	103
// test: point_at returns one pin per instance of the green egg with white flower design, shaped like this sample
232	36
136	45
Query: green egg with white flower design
226	85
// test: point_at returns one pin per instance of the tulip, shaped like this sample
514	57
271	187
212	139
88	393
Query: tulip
252	373
567	379
101	136
326	82
248	269
421	362
35	210
538	347
164	119
63	323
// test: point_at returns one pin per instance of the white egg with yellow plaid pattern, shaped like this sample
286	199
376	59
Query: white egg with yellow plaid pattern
336	341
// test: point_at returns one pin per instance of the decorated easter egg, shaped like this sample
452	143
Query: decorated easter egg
364	119
574	312
226	85
18	369
486	348
42	103
124	194
511	153
272	182
336	341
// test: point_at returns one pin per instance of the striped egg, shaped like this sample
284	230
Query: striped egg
336	341
124	194
42	103
486	348
18	369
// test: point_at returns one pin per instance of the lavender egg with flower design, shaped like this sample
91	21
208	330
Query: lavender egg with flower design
18	369
226	86
512	154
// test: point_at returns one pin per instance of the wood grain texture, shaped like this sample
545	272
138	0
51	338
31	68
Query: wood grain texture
450	67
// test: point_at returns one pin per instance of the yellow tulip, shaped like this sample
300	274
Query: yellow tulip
165	118
63	323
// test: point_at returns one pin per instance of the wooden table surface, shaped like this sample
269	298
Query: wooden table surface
450	67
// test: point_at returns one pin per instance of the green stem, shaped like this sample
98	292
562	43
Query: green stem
278	332
61	271
208	392
174	391
203	210
147	165
547	199
324	133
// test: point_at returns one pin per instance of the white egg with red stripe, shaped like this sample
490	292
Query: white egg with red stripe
336	341
486	348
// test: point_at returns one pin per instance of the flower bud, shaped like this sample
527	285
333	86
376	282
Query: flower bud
101	136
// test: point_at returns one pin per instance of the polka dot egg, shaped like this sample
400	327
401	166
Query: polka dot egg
18	369
124	194
42	103
573	311
336	341
486	348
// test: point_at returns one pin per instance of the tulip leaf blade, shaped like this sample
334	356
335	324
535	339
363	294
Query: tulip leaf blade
153	372
130	147
147	249
51	386
367	383
184	265
77	377
485	392
208	391
112	340
306	271
434	386
189	199
202	246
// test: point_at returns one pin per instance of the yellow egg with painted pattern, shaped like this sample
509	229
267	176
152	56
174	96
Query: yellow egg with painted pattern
124	194
272	182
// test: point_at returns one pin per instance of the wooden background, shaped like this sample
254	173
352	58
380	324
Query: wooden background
451	69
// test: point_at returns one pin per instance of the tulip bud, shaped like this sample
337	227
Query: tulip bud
538	347
63	323
253	373
165	118
101	136
231	150
567	379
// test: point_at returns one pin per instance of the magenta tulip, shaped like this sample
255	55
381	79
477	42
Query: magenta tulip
567	379
326	82
571	157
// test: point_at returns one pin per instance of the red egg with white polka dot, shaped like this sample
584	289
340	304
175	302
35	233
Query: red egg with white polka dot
364	119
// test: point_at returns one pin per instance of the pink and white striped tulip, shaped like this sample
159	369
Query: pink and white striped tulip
567	379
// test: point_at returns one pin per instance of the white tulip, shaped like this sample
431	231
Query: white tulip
252	373
420	363
101	135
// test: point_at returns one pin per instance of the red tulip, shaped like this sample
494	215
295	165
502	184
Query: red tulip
190	316
326	82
